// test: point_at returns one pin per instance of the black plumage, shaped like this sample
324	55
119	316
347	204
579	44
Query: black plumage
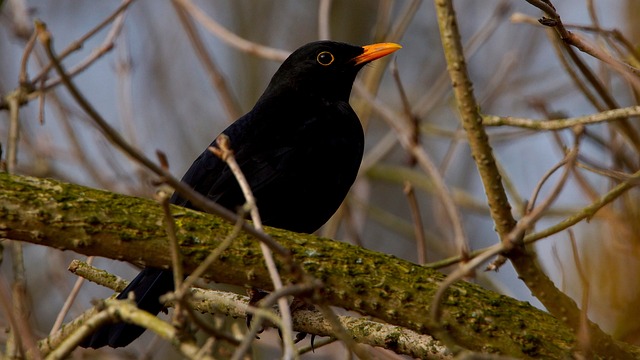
300	149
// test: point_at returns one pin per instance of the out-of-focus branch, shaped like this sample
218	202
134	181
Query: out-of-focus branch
229	37
404	135
29	92
229	102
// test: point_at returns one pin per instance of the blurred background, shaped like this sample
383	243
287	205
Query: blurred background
151	83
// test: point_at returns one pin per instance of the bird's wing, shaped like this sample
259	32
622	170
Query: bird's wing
260	164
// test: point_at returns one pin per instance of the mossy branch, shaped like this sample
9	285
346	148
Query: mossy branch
94	222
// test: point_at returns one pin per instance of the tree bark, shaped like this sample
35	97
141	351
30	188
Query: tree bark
100	223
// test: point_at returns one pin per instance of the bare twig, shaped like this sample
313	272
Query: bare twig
421	242
229	102
229	37
571	40
324	16
174	247
21	337
69	301
14	133
426	164
310	321
558	124
583	331
224	152
127	311
76	45
23	77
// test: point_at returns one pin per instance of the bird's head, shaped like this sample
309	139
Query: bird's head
325	69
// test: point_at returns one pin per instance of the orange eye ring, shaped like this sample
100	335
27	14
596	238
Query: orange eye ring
325	58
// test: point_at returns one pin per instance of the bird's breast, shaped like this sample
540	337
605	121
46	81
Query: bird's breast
308	162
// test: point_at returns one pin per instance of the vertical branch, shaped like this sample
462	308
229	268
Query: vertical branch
471	121
583	332
14	133
525	264
418	228
324	12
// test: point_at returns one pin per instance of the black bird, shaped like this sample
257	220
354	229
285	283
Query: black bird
300	149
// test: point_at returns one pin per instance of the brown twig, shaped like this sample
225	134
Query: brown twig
571	40
426	164
231	38
421	242
125	311
559	124
73	294
224	152
324	14
229	102
77	44
21	338
584	338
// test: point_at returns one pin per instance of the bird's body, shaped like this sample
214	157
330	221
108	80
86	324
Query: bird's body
300	149
299	183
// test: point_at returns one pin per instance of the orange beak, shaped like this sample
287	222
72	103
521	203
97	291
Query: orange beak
375	51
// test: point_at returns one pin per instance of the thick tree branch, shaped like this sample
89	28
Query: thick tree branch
94	222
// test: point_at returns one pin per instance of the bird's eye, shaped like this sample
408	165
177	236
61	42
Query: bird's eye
325	58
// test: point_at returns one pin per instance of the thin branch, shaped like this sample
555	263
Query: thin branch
224	152
584	338
21	336
14	133
231	38
126	311
559	124
213	256
176	263
471	120
588	211
69	301
571	40
425	163
418	228
229	102
324	16
76	45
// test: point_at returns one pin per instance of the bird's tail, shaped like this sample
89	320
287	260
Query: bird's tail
148	286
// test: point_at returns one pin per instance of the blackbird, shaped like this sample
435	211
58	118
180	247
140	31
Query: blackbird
300	148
